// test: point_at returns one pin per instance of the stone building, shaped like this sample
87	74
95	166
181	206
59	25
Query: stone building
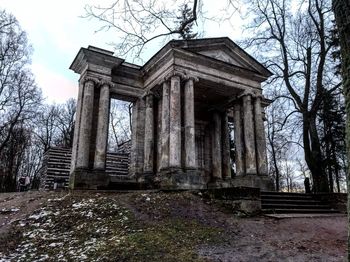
183	99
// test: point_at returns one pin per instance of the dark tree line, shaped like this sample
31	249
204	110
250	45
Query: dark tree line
28	127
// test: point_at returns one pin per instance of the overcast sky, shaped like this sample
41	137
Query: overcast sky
56	31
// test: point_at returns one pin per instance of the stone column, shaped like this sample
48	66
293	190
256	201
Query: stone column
249	137
77	127
239	146
133	150
260	138
189	143
102	128
226	159
137	138
159	133
85	125
175	126
164	161
149	136
216	147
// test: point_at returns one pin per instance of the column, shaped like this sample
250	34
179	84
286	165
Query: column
226	159
149	136
249	137
77	127
140	135
164	161
175	126
260	138
85	125
159	133
102	128
133	150
239	146
189	143
216	146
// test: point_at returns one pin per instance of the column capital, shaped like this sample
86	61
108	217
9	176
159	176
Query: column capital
190	77
97	81
104	82
182	75
246	93
86	79
148	93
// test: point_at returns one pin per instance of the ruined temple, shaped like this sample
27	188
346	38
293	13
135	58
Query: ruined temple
184	99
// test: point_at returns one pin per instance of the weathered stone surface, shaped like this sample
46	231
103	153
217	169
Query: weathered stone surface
190	150
175	126
85	125
84	179
77	127
226	159
102	128
216	146
149	136
175	179
260	138
159	133
133	150
164	161
249	137
262	182
137	138
239	146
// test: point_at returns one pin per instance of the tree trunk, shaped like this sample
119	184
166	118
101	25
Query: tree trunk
313	155
342	13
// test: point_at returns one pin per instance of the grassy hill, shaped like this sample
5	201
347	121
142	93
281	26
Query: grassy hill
155	226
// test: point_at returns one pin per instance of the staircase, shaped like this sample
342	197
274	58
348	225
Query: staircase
56	165
283	203
56	169
117	166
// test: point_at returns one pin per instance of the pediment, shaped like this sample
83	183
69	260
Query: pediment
225	50
226	57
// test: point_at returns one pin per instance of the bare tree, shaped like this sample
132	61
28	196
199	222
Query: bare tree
119	124
298	49
65	123
19	99
139	22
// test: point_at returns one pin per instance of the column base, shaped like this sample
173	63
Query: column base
262	182
88	179
146	180
178	179
219	183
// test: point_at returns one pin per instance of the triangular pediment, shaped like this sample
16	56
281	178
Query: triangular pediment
226	57
222	49
219	52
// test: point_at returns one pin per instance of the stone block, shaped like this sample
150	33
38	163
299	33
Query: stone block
178	179
263	182
87	179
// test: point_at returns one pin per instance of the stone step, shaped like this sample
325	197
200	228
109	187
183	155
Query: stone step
283	193
57	163
291	201
284	203
293	206
290	197
301	211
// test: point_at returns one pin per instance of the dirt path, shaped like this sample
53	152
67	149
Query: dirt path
156	226
294	239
